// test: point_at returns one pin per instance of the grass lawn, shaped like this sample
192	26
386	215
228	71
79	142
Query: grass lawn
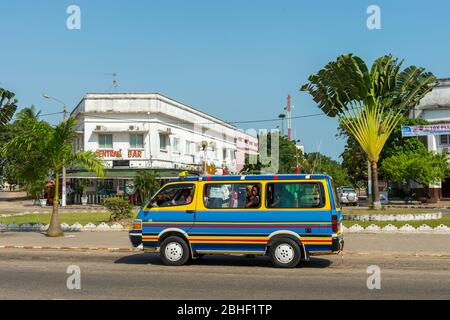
350	210
432	223
69	218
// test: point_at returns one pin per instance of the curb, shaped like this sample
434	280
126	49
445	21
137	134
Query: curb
64	248
76	227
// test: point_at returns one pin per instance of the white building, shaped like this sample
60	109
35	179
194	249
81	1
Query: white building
134	131
435	108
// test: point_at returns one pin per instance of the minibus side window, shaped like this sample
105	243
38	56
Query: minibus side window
232	195
337	204
295	195
174	195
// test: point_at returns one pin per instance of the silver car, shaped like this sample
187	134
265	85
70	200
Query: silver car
347	195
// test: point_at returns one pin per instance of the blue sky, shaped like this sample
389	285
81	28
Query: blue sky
236	60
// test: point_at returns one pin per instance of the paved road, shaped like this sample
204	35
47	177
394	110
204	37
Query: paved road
28	274
382	243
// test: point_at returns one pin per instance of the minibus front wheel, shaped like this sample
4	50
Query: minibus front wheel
285	253
174	251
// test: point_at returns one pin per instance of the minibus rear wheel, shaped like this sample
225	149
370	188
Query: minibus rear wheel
174	251
285	253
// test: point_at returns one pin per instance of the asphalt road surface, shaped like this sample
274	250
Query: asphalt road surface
40	274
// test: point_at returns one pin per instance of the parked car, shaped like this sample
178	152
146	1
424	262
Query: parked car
347	195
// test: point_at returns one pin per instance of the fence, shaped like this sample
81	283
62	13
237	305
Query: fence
93	198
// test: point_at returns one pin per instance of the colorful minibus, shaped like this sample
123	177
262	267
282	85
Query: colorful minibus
288	217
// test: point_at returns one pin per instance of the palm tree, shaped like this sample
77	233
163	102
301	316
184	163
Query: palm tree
146	184
55	144
370	104
7	106
28	113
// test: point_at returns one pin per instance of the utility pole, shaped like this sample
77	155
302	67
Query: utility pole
289	115
282	116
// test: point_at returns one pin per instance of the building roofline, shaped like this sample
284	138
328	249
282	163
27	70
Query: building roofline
155	95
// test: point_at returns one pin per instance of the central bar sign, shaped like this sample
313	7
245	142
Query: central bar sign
426	130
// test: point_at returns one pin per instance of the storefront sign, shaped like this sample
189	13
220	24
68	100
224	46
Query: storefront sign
427	130
109	153
121	163
134	153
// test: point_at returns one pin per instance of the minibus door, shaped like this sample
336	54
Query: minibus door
173	207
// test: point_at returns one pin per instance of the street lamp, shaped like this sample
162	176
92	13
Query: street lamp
63	196
282	116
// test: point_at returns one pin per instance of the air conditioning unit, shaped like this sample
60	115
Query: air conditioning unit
100	128
446	150
169	130
131	127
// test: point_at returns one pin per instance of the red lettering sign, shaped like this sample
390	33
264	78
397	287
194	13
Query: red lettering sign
109	153
134	153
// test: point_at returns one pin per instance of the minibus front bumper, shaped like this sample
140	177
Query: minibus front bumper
135	238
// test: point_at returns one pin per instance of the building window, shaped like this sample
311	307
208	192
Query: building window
163	142
444	139
176	145
224	154
105	141
137	141
189	147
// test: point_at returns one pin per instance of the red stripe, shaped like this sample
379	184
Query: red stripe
239	226
228	240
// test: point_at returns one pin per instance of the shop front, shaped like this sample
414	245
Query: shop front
117	182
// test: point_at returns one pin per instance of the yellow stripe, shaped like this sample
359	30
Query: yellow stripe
249	223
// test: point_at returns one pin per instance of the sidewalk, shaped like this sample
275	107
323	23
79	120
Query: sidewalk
16	202
390	244
71	240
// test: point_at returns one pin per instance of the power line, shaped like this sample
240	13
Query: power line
50	114
205	123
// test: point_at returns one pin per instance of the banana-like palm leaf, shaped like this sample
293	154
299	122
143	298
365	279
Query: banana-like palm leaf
8	106
88	160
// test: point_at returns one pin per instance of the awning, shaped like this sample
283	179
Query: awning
126	173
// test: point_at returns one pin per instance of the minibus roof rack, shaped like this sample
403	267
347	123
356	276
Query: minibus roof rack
253	177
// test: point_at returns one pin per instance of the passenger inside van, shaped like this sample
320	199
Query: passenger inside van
253	198
174	196
282	198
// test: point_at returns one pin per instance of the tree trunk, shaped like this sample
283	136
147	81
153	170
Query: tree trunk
376	204
54	230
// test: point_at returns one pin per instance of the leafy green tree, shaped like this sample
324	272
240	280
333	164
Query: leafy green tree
8	105
25	166
55	146
370	103
419	165
146	184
